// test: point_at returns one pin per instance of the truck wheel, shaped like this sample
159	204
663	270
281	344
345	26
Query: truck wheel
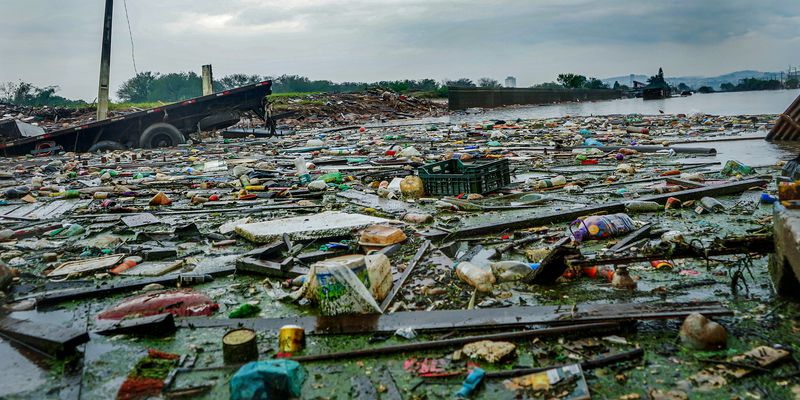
161	135
106	145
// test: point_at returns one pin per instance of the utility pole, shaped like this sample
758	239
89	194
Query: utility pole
105	63
208	80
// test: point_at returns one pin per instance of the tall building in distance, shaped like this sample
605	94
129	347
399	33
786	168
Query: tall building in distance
511	81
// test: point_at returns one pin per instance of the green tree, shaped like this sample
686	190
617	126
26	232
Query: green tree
705	89
684	87
461	83
138	88
238	80
727	87
27	94
489	83
594	83
657	78
572	81
792	83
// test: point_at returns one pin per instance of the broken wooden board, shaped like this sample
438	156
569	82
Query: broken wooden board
79	267
42	210
409	269
51	298
268	268
137	220
154	325
52	339
327	224
787	127
154	268
483	319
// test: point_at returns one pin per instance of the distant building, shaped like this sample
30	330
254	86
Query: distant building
511	81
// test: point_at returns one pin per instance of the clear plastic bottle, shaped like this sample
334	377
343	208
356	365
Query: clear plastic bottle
477	276
302	171
638	206
511	270
547	183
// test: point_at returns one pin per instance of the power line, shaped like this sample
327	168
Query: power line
130	34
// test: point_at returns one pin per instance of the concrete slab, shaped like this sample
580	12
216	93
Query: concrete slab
327	224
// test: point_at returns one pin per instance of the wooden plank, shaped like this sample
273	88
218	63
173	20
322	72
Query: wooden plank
267	268
569	215
480	319
642	232
24	210
52	339
410	268
45	209
66	207
684	182
51	298
9	209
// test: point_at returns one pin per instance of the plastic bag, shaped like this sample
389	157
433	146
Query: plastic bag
264	380
379	272
337	290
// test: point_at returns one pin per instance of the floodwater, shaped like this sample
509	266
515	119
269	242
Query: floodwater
735	103
751	152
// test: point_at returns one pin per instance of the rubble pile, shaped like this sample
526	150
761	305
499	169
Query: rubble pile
372	106
504	259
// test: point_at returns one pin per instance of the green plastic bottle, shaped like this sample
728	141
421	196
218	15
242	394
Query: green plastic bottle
243	311
333	177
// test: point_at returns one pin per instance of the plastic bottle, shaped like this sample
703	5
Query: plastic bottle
601	226
507	271
712	204
72	230
124	266
547	183
333	177
637	129
602	272
479	277
592	142
243	311
638	206
471	383
302	171
733	167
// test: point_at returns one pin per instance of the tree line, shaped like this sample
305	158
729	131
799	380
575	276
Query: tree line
149	86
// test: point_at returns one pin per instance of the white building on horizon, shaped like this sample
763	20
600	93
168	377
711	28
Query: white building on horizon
511	82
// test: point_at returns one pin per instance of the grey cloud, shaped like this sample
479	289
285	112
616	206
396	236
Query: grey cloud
57	42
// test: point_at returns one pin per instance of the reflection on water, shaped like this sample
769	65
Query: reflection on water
751	152
738	103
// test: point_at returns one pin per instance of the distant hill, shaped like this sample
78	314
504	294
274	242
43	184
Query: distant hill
697	81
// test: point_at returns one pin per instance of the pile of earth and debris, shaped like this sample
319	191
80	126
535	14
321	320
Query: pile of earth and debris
609	256
371	106
303	111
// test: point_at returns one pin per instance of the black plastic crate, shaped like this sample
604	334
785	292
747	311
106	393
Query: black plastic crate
452	177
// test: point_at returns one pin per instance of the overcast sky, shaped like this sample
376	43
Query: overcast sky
57	42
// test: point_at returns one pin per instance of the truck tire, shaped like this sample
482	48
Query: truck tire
161	135
106	145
